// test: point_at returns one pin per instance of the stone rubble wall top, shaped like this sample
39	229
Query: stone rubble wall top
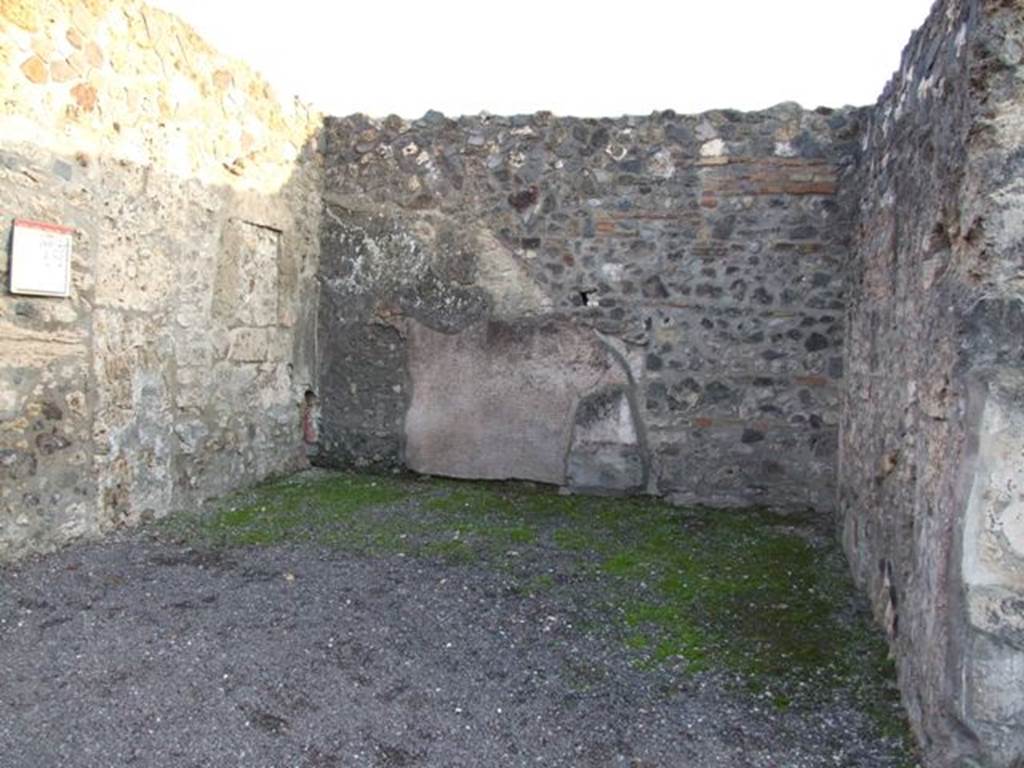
127	81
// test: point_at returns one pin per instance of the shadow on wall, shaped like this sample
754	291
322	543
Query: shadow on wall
643	304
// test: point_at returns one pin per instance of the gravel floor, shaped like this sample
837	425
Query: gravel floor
145	652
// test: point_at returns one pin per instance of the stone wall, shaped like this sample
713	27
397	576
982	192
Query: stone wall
178	366
930	462
700	307
640	304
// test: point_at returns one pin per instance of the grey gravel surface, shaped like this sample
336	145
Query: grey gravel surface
141	653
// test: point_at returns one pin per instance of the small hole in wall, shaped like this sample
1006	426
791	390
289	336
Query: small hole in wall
585	298
976	234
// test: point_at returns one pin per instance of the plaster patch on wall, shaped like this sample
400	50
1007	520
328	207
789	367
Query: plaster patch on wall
496	401
499	272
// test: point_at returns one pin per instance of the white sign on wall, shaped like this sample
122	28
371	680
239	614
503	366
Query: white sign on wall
41	259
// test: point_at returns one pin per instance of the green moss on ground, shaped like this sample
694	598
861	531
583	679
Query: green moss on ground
758	594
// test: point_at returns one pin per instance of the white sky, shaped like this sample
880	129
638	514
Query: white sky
571	57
